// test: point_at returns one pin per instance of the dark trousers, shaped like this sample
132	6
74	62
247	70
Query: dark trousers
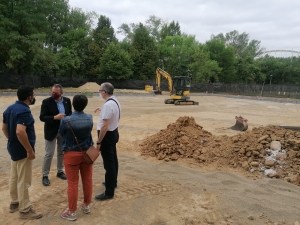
110	160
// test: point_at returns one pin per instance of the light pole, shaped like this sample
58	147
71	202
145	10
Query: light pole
188	72
270	81
262	88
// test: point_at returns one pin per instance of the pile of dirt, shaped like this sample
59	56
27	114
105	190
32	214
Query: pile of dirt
90	86
271	151
94	87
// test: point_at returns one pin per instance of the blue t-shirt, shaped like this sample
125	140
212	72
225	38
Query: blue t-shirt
18	113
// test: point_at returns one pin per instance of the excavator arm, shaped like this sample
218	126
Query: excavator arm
160	72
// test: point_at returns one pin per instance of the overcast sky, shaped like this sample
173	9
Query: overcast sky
276	23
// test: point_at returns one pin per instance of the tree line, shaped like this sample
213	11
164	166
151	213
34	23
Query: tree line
50	38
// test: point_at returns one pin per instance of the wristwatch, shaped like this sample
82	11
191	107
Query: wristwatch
98	143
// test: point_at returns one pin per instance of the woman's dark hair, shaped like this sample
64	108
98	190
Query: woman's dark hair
24	91
79	102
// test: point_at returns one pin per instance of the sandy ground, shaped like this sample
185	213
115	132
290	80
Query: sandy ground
153	192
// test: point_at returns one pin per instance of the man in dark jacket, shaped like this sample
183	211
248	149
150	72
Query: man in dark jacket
53	109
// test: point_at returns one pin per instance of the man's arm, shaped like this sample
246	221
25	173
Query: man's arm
23	139
103	131
44	114
5	130
70	107
62	127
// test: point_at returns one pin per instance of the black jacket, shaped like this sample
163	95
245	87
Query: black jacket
48	111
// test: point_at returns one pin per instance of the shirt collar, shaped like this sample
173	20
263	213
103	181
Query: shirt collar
22	103
62	99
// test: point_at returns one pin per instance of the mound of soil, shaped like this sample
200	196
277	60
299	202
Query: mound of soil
90	86
252	151
94	87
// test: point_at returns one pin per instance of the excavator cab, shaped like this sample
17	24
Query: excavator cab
179	87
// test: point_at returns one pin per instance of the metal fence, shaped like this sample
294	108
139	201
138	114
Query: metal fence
13	81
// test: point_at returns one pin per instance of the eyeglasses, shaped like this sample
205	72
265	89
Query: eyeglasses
101	90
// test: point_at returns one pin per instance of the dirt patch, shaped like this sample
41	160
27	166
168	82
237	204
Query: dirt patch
94	87
251	151
178	192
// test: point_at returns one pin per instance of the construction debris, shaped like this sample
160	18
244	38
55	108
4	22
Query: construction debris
264	151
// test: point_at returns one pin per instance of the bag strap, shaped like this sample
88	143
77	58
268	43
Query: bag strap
117	105
69	123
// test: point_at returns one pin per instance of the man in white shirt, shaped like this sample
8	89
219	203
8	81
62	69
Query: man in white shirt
108	136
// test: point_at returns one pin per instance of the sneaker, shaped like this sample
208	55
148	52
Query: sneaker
30	215
68	215
13	207
85	208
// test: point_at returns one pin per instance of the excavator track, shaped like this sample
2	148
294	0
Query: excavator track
180	102
169	101
188	102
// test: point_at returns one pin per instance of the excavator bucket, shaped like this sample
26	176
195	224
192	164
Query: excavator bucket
241	124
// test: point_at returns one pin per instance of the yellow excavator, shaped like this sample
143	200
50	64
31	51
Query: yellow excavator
179	87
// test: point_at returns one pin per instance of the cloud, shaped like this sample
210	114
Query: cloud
273	22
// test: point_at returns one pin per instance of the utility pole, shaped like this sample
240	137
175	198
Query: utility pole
270	81
262	88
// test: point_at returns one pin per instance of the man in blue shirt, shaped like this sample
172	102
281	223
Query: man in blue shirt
18	128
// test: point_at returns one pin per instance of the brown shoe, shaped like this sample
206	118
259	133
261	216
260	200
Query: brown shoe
30	215
13	207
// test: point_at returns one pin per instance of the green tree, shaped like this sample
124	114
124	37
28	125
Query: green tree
157	28
154	25
102	37
175	54
283	70
204	69
116	63
127	30
73	54
171	29
42	37
23	26
69	57
241	44
225	57
248	71
144	54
